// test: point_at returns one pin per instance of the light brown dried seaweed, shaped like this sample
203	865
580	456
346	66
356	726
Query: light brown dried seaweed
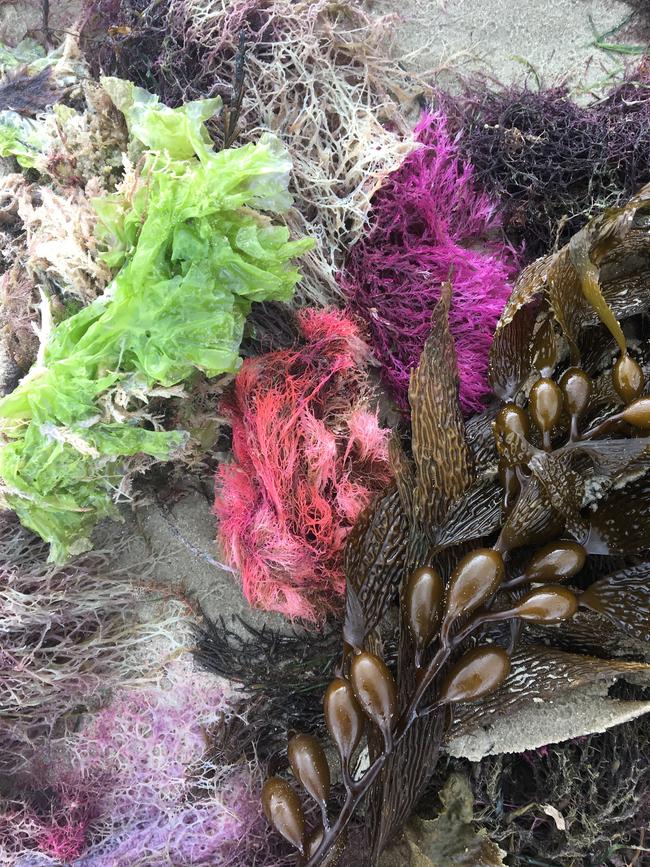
60	244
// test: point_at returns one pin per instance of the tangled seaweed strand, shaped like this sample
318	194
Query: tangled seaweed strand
68	636
144	781
427	220
551	163
318	74
281	678
603	811
105	752
309	455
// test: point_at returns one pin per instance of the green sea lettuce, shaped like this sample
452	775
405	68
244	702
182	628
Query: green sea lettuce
193	253
23	138
26	53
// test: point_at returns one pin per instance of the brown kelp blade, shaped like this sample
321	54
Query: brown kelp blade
624	598
476	514
533	520
616	461
511	355
563	488
444	473
442	457
602	275
375	560
480	440
621	523
403	779
404	472
376	551
539	672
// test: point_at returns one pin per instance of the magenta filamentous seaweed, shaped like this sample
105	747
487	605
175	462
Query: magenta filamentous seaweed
429	223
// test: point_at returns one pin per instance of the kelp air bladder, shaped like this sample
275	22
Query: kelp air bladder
310	768
375	690
370	693
283	810
474	580
476	674
627	378
422	607
343	718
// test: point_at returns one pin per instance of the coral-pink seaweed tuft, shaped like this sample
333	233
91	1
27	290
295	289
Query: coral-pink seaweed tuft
428	221
63	835
308	457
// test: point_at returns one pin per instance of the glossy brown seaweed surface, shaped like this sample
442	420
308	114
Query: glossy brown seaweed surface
483	523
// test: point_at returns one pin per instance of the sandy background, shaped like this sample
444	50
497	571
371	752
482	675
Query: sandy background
550	41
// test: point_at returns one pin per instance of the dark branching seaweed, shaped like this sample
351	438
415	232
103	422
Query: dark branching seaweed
602	815
604	812
282	676
233	106
270	326
487	543
552	163
28	94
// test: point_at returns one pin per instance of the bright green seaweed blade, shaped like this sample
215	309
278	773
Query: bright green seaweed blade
193	254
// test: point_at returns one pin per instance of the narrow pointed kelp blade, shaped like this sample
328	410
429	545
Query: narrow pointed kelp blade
375	560
477	513
444	472
441	454
404	472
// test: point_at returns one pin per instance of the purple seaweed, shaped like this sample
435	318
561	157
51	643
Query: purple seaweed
428	223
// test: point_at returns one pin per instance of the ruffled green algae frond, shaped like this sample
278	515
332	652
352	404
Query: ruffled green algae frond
193	253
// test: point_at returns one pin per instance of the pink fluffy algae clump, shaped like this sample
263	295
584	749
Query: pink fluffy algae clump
138	784
428	221
309	455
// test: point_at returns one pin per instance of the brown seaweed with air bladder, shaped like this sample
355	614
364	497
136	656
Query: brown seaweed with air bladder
498	535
